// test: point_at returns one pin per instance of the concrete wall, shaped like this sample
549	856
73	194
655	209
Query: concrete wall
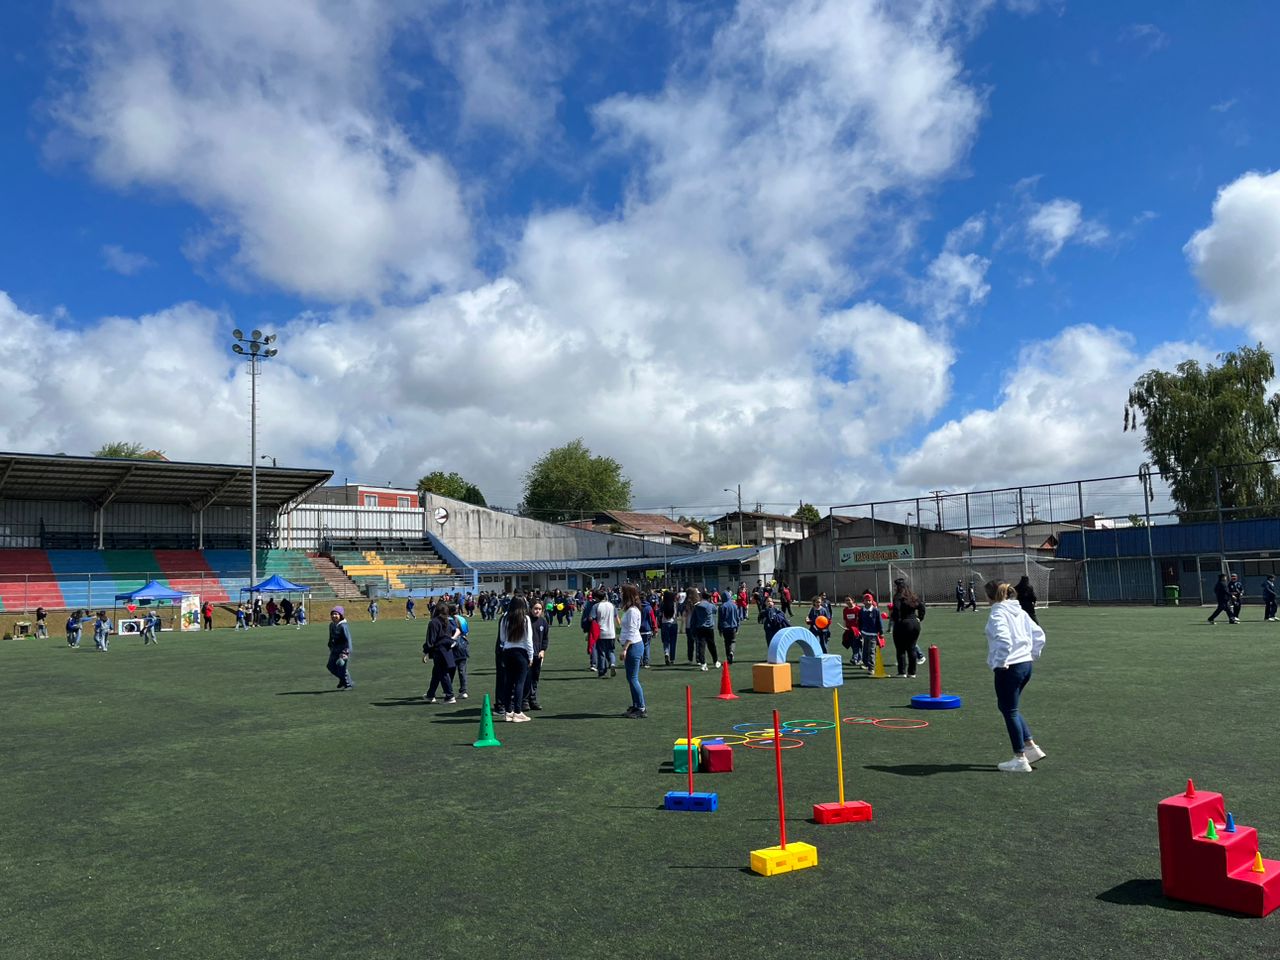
477	533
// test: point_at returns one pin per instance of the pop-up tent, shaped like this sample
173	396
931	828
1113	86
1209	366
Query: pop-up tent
148	593
278	584
154	590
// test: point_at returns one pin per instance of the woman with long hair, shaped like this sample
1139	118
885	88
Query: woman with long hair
670	627
439	650
632	648
1014	640
905	618
515	636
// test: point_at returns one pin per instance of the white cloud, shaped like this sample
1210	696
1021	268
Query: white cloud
956	279
123	262
1237	257
267	117
1052	225
1058	416
1150	37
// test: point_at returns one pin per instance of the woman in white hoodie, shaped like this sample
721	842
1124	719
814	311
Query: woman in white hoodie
1013	641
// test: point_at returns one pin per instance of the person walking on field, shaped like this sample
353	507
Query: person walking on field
632	649
960	596
1027	597
972	602
438	650
701	628
1222	594
1235	587
605	615
729	619
340	648
1014	640
541	641
515	634
1269	597
905	618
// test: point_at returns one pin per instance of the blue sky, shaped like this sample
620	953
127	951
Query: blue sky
826	250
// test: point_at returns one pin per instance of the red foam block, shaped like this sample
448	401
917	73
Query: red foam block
851	811
716	758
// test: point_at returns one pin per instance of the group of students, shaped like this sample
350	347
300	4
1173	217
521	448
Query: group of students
1229	594
101	629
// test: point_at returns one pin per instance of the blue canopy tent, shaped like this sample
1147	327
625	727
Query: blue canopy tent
151	592
278	584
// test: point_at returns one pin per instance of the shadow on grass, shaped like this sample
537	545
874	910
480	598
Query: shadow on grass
307	693
401	702
929	769
585	716
1142	892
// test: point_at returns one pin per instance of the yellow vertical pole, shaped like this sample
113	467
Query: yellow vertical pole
835	699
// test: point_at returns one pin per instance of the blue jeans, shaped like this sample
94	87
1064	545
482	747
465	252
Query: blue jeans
1009	683
605	655
646	639
670	633
635	653
338	667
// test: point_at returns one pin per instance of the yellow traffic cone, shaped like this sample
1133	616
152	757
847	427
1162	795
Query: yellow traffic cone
878	673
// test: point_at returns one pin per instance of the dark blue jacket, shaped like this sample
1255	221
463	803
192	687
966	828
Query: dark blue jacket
730	617
339	636
1220	591
1269	590
870	621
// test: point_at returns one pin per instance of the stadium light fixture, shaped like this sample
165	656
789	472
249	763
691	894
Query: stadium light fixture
257	352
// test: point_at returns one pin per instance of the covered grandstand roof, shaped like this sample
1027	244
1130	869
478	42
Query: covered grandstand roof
102	480
700	559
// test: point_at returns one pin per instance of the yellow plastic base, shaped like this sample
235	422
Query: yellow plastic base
772	861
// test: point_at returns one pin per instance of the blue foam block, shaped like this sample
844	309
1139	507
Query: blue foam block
824	670
922	701
691	802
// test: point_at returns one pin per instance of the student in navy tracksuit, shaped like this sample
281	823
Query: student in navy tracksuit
1222	594
648	622
728	620
818	609
1269	597
871	626
541	641
670	626
1235	587
340	648
438	650
774	620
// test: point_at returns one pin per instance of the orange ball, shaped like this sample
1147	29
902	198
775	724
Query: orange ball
822	623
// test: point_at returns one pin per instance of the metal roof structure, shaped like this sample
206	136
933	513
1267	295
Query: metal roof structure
102	480
700	559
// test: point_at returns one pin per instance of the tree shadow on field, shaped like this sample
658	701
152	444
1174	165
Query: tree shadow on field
1143	892
930	769
307	693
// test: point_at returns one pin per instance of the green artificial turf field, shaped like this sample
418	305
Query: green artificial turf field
216	798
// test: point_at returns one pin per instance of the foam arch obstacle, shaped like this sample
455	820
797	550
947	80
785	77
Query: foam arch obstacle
817	669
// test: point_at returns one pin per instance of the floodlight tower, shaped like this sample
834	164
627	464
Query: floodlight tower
255	348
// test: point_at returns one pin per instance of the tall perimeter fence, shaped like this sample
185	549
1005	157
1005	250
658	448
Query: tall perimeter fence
1118	539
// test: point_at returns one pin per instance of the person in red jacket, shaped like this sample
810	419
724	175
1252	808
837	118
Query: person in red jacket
206	613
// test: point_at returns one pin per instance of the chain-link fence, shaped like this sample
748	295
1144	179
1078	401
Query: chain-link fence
1139	538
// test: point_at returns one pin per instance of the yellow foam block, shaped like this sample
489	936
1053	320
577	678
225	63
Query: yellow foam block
771	861
684	742
771	677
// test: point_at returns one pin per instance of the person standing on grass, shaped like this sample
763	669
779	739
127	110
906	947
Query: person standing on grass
408	609
590	628
1222	593
1014	640
871	628
648	624
102	632
972	602
632	648
340	648
669	626
774	620
728	620
300	616
42	623
254	621
818	608
960	602
206	613
461	651
1027	597
905	618
606	617
702	628
541	641
1235	587
1269	598
515	635
373	610
286	611
438	650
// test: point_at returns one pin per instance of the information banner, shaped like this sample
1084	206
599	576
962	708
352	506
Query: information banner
190	618
876	556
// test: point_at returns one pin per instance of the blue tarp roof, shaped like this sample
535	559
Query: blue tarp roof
155	590
276	584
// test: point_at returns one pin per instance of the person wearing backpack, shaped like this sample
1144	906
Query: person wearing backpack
774	620
648	626
590	628
728	620
438	650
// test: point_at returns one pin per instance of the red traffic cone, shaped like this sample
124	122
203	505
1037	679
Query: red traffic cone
726	685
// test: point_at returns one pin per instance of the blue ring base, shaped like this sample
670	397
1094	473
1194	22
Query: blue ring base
922	701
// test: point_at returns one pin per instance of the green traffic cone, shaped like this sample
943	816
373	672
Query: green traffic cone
487	739
1212	832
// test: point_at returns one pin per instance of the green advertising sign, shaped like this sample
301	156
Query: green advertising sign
876	556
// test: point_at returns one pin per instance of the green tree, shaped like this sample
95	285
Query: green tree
807	512
122	450
700	525
568	482
1198	418
451	485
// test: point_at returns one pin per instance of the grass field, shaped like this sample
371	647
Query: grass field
216	798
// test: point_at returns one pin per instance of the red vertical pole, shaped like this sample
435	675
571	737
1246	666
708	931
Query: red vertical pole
935	673
688	723
777	755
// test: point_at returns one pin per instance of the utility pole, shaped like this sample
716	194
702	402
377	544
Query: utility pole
727	490
937	506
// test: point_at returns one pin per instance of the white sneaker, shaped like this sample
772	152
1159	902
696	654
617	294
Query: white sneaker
704	668
508	717
1016	765
520	718
717	664
1033	753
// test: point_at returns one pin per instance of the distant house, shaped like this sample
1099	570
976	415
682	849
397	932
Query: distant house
363	495
759	529
653	527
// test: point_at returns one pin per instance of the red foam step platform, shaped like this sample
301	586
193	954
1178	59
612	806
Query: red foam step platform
851	811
